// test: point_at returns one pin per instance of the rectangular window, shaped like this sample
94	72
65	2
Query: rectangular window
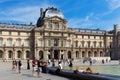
26	42
1	42
9	42
18	42
56	41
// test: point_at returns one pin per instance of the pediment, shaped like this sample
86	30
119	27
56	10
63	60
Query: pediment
56	18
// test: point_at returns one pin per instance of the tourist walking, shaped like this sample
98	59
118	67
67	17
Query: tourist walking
16	64
39	67
13	65
71	64
19	66
33	65
28	64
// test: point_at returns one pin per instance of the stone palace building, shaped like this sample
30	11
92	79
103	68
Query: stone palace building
52	38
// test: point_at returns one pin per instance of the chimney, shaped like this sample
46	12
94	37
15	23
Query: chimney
115	28
41	12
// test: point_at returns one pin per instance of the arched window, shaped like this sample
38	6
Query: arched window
89	54
95	54
19	54
69	55
101	54
27	54
77	54
10	54
41	54
83	54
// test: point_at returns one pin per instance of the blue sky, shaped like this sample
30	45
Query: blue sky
91	14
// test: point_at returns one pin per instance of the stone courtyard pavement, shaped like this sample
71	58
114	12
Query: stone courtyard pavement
7	74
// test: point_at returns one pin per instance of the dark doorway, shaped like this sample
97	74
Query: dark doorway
56	54
49	56
69	55
62	56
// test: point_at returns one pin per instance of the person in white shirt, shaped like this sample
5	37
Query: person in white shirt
60	65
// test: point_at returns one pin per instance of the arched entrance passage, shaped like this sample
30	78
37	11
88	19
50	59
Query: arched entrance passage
10	54
40	54
1	54
77	55
95	54
56	54
27	54
69	55
19	54
83	53
101	54
89	54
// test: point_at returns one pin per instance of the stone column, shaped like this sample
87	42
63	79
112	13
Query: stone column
86	52
59	54
22	55
45	55
92	53
98	54
65	54
5	55
14	55
37	54
73	55
80	54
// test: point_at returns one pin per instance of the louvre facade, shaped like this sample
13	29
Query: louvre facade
52	38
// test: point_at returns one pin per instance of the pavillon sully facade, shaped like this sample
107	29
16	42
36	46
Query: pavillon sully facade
51	38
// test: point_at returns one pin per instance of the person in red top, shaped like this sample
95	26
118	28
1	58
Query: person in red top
33	65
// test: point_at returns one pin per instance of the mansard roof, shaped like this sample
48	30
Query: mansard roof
7	26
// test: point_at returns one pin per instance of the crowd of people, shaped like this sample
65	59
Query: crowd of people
41	66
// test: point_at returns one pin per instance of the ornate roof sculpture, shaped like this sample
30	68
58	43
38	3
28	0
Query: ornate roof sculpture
51	12
47	13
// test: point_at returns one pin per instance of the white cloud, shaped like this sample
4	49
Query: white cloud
24	14
113	4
